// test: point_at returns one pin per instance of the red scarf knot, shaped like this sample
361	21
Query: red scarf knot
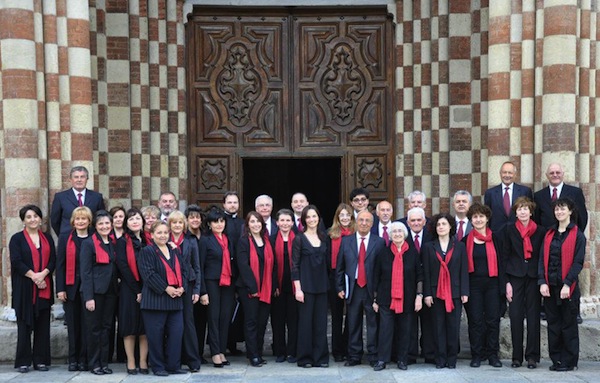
225	279
397	304
444	289
39	264
131	260
335	246
173	272
567	254
526	233
279	252
265	283
102	256
490	250
71	260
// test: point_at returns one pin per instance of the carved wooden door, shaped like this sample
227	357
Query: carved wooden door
290	83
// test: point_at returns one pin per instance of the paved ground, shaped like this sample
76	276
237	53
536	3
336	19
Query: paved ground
240	371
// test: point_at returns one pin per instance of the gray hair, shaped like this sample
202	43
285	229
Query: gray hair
399	225
416	193
261	197
463	192
416	210
79	169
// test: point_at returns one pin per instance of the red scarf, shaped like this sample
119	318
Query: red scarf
179	242
71	262
279	243
264	288
526	233
37	266
397	305
225	279
148	236
131	261
101	254
490	251
335	246
567	254
173	275
444	289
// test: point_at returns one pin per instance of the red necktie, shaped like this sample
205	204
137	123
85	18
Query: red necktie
79	200
506	202
385	236
362	272
300	227
460	233
554	196
417	244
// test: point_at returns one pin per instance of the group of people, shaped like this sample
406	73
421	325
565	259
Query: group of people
175	280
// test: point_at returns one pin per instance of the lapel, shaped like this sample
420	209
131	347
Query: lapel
71	197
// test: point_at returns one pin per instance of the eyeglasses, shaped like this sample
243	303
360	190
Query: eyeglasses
361	199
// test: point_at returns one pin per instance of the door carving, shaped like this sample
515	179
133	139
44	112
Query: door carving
290	83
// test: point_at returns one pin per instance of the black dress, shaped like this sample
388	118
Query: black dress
130	316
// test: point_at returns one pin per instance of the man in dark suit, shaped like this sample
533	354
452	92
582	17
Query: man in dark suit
461	202
381	226
416	198
500	198
354	282
264	207
167	203
235	223
67	200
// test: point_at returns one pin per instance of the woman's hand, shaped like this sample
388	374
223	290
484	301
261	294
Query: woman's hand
418	303
62	296
565	292
509	292
138	298
300	296
195	298
544	290
375	307
429	301
90	305
464	299
204	300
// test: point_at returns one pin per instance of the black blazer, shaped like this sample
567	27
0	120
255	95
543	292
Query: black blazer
154	278
498	245
123	266
234	228
65	202
544	214
246	279
494	199
514	258
458	267
413	273
425	236
347	262
576	267
211	258
61	266
310	265
96	278
190	265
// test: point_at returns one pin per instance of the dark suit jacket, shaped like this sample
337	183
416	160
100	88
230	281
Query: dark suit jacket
458	267
61	266
190	265
347	262
514	258
544	214
425	236
466	229
211	258
311	265
246	279
96	278
154	277
494	199
65	202
234	228
413	274
123	266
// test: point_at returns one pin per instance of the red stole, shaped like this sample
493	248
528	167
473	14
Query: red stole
567	254
101	254
490	251
225	279
71	262
335	246
444	289
39	266
178	242
397	304
279	243
526	233
265	283
173	274
148	236
131	261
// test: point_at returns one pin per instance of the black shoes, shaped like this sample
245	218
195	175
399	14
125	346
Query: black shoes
495	362
515	364
563	368
97	371
73	366
280	359
554	367
402	366
531	364
23	369
352	363
305	365
292	359
380	365
132	371
144	371
339	358
255	362
41	367
179	371
475	362
107	371
161	373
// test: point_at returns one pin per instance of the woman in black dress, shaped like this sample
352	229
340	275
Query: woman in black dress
522	244
131	325
256	284
99	289
68	282
32	261
310	264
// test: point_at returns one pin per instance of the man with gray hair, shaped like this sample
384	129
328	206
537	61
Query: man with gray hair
461	202
416	198
264	206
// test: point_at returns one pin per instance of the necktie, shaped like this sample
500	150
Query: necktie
79	200
300	227
506	202
554	196
460	233
386	236
362	272
417	244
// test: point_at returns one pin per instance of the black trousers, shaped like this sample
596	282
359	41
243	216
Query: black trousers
164	330
99	323
446	328
394	327
201	322
256	316
220	310
525	305
360	304
339	324
40	354
76	330
423	321
483	312
312	330
284	313
189	345
563	333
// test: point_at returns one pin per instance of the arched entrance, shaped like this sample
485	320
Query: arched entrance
285	86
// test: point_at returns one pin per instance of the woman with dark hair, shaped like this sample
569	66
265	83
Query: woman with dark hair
310	264
522	244
131	325
32	261
486	284
118	214
445	286
162	304
99	289
256	284
68	282
217	290
343	225
560	263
